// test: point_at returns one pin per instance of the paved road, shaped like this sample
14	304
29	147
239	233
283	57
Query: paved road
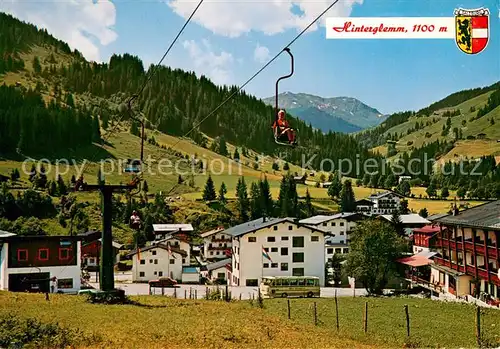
184	291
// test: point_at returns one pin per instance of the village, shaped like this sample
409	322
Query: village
455	255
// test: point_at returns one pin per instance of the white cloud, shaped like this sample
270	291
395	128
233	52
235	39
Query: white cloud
84	24
261	54
234	18
207	62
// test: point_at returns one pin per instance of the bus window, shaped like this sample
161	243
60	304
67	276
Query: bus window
316	282
302	282
267	282
277	282
293	282
284	282
310	282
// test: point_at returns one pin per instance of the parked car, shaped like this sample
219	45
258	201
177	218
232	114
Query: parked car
163	282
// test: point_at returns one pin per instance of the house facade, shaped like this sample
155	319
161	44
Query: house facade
424	238
468	243
155	261
91	253
295	250
385	202
216	244
40	263
338	226
364	206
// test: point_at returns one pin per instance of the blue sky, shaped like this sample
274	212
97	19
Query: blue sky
389	75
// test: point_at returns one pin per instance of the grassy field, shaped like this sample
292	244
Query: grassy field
472	149
174	323
432	323
171	323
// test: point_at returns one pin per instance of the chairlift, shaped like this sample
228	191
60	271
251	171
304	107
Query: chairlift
282	133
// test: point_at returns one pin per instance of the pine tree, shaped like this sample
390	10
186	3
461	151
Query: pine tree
242	198
73	179
209	191
445	192
423	212
366	179
236	155
62	189
461	192
347	198
397	223
52	188
286	167
288	197
335	187
255	201
222	193
267	199
36	65
180	180
96	130
223	147
70	102
145	187
309	206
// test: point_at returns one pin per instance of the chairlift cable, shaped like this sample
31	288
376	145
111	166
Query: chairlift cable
253	77
153	71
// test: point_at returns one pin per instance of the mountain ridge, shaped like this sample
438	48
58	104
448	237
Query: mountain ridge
346	114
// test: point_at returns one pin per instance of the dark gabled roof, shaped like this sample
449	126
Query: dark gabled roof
257	224
218	264
485	216
365	202
7	237
436	216
162	246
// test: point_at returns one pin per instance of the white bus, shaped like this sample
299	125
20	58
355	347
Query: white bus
290	286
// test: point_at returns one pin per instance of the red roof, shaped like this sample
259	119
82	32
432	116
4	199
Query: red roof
428	229
415	261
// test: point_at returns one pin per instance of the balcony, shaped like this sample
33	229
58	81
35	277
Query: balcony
221	240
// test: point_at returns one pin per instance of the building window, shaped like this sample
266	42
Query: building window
284	238
172	261
333	224
65	283
156	261
341	224
43	254
274	265
143	261
211	253
329	251
271	239
284	266
315	238
290	227
22	255
252	239
183	260
155	273
153	252
341	241
266	265
150	261
160	273
64	254
275	227
142	274
298	241
338	250
341	233
346	250
266	249
298	271
274	249
325	224
298	257
284	251
252	282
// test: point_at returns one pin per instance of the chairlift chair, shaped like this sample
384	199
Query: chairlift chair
281	137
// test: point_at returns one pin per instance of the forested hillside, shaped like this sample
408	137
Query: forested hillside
428	116
174	102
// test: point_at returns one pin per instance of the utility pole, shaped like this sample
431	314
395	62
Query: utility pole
106	268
